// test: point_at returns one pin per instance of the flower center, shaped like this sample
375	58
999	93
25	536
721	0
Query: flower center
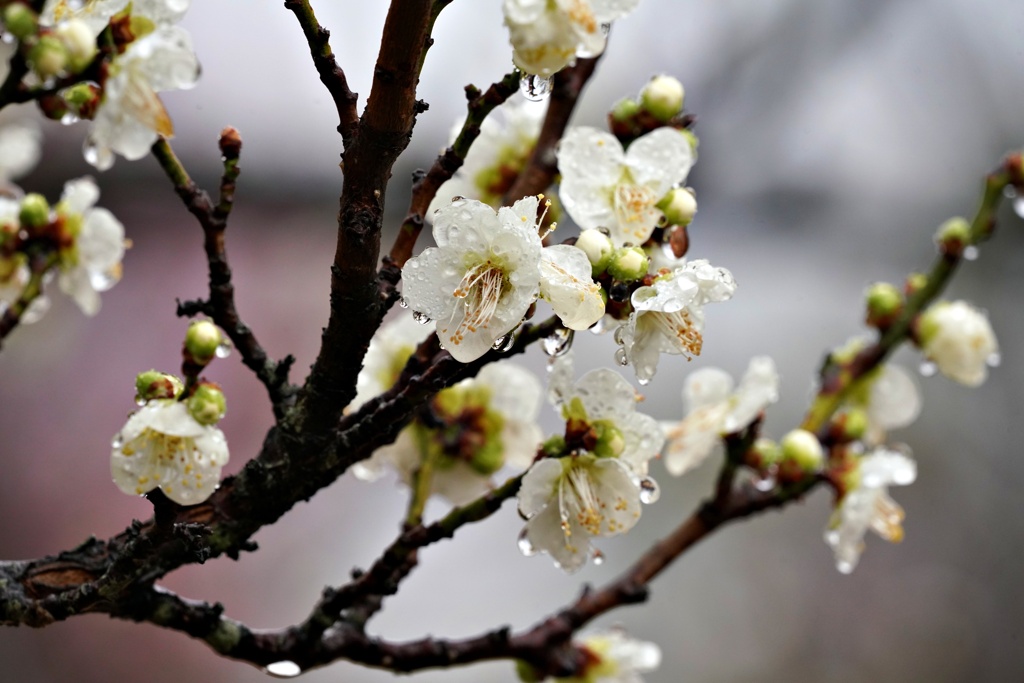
887	521
481	290
678	325
634	209
580	500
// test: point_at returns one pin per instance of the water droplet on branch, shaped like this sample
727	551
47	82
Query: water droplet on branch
559	343
534	88
283	669
223	350
421	318
504	342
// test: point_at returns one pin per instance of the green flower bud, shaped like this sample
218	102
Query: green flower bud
155	384
915	283
802	449
679	206
20	20
35	211
662	97
202	341
207	404
953	235
628	264
764	453
48	57
598	247
884	301
624	110
554	447
489	458
526	673
852	425
79	41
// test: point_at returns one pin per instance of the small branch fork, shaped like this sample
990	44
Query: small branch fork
220	306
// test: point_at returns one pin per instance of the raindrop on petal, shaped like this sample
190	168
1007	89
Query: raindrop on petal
619	335
525	546
927	368
559	343
534	88
504	342
223	350
597	556
403	303
283	669
139	401
421	318
117	441
649	491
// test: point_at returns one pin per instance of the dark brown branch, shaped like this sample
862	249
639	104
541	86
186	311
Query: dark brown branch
541	168
220	306
331	75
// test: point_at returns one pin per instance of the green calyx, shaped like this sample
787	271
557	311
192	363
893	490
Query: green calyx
471	429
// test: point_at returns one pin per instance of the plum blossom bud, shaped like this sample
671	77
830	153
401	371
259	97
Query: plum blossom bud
802	449
679	206
153	384
628	264
207	404
764	453
959	339
598	248
851	425
624	110
884	301
202	341
953	235
35	211
662	97
79	41
20	21
48	57
914	283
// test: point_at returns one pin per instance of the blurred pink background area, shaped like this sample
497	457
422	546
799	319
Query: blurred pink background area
835	136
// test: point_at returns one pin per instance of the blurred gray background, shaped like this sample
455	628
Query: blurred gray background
834	135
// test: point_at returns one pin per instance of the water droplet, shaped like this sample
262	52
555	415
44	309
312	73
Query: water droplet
534	88
620	335
844	566
525	546
604	230
673	306
402	303
223	350
994	360
504	342
559	343
649	491
606	28
7	37
764	482
458	200
139	401
620	357
421	318
1009	191
971	252
117	441
101	281
91	153
1018	206
597	557
283	669
643	381
69	118
927	368
601	326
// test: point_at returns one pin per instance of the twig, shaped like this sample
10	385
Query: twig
220	306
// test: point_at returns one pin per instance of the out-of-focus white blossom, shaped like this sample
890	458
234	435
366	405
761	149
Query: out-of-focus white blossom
477	426
93	263
714	409
958	338
163	446
547	35
605	186
867	505
597	490
614	657
890	399
500	152
668	315
20	144
96	14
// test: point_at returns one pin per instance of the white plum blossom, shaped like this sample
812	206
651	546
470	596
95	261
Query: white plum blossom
668	315
163	446
130	116
890	399
507	137
96	14
866	505
959	339
93	263
598	488
614	657
486	271
714	408
604	186
20	144
547	35
477	426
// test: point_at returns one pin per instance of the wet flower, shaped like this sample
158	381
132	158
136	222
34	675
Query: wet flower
604	186
130	116
546	35
668	315
714	408
866	505
468	432
891	400
96	14
163	446
507	137
598	488
614	657
92	263
567	285
19	149
959	339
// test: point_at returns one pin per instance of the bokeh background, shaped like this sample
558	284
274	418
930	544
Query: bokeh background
835	135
